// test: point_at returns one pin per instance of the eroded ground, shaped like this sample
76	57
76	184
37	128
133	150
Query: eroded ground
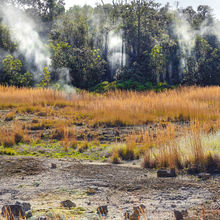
90	185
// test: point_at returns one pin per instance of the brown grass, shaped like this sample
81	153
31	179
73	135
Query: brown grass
176	154
120	108
187	111
11	136
66	135
115	159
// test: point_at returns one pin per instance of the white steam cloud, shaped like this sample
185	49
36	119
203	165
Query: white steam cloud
116	51
24	31
186	36
65	81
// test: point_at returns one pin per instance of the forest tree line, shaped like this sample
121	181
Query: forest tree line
130	44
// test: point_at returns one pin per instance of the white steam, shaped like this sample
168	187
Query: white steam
186	36
116	51
24	32
64	76
65	82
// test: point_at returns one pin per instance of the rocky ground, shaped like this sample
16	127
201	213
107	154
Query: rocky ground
45	183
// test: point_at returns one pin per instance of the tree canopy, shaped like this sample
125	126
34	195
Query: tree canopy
137	41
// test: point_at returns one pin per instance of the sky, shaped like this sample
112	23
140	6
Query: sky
215	4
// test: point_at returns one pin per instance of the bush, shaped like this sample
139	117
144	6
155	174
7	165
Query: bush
12	73
129	85
85	66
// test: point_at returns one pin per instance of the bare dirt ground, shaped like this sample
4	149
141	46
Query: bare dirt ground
90	185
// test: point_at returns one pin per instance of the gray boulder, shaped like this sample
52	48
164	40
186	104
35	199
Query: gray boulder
68	204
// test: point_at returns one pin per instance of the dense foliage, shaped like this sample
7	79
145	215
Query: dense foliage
134	45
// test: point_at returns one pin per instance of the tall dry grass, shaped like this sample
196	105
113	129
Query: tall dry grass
198	107
16	133
193	148
123	107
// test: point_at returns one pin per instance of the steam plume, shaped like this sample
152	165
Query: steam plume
116	51
24	31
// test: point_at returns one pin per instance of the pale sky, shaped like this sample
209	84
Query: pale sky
215	4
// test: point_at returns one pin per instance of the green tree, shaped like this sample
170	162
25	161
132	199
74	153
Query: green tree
5	39
86	66
46	81
72	28
158	63
12	73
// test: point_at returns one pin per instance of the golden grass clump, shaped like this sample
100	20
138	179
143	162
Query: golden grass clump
119	108
188	151
168	146
115	159
7	138
127	152
11	136
66	135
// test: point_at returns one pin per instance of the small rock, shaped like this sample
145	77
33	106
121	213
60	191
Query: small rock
179	215
165	173
36	184
68	204
102	210
204	176
18	203
12	211
26	206
53	166
28	214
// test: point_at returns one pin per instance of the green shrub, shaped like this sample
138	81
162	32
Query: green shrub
12	73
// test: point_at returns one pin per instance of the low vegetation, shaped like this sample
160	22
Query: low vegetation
177	124
165	148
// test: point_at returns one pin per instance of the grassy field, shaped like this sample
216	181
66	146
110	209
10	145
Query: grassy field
180	128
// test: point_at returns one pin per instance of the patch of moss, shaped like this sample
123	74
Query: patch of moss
7	151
